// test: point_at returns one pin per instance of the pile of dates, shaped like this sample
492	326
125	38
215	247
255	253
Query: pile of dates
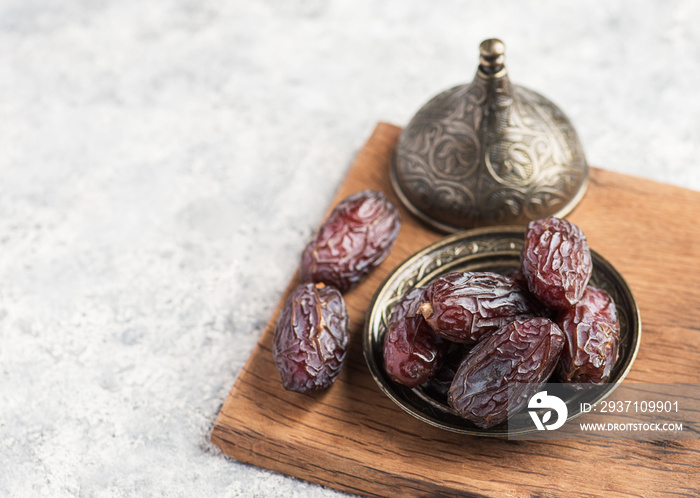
479	338
311	338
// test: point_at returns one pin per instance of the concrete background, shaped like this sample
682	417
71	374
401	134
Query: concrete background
163	163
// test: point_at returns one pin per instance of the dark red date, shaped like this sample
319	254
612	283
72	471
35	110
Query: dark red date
592	336
355	239
311	338
522	355
556	262
464	307
413	353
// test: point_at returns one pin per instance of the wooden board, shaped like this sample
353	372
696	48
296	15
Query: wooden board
352	437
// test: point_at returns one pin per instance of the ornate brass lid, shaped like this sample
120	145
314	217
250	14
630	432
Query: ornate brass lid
489	153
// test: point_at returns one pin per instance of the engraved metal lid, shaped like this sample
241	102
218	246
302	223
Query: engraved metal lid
488	153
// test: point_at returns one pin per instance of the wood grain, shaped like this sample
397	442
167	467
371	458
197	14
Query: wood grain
353	438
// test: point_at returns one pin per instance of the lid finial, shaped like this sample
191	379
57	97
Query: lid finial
492	58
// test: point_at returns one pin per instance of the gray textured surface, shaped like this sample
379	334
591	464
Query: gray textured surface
163	163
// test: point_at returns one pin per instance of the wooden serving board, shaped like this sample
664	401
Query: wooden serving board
354	438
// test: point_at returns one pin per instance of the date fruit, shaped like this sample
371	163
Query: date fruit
355	239
556	262
592	337
519	358
412	352
464	307
311	338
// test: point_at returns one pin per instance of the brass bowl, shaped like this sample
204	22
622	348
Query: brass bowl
484	249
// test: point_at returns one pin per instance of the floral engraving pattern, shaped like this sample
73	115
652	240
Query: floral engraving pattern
489	153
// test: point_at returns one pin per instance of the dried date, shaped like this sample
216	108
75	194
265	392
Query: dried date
311	338
502	372
464	307
413	353
556	262
357	236
592	336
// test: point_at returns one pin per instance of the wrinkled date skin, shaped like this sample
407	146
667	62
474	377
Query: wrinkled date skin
311	338
556	261
592	332
522	355
355	239
413	353
464	307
